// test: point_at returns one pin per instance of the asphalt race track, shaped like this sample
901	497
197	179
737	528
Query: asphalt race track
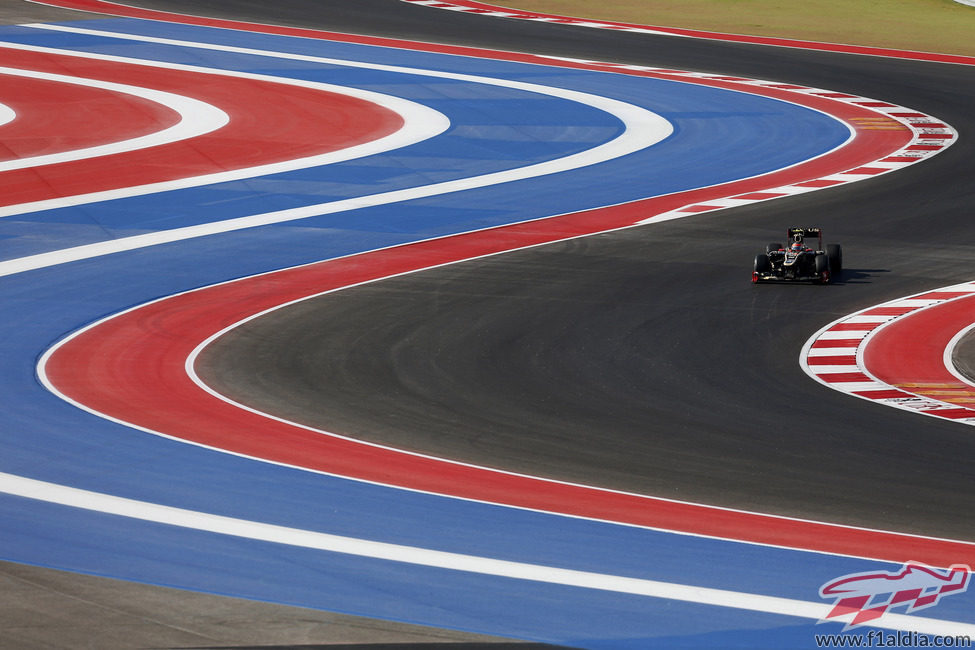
641	360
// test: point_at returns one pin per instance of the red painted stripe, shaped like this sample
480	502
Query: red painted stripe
844	377
951	414
53	117
883	394
760	196
911	349
837	343
841	360
260	132
853	327
944	295
888	311
868	170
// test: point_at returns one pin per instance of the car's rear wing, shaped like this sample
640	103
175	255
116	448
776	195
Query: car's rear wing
799	234
816	232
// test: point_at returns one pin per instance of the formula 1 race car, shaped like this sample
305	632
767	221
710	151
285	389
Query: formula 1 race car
799	262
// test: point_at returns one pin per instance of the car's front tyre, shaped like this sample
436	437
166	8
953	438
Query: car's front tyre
761	267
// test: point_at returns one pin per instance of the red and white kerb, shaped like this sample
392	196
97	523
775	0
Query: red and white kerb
901	353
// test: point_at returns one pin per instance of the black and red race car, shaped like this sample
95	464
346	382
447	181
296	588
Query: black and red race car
797	261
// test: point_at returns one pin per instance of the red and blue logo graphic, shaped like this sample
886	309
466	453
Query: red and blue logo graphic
871	594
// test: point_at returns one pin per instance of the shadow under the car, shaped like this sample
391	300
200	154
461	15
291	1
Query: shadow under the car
856	276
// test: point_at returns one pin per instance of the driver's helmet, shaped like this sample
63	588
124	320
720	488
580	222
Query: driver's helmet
796	247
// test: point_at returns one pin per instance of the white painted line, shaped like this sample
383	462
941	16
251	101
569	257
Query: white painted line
218	524
858	386
950	353
641	129
911	303
831	352
826	370
196	118
844	335
420	123
7	114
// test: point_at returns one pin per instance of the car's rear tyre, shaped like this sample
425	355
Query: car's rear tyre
773	247
835	254
822	268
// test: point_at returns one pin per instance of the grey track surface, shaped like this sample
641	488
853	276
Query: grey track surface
644	360
16	12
